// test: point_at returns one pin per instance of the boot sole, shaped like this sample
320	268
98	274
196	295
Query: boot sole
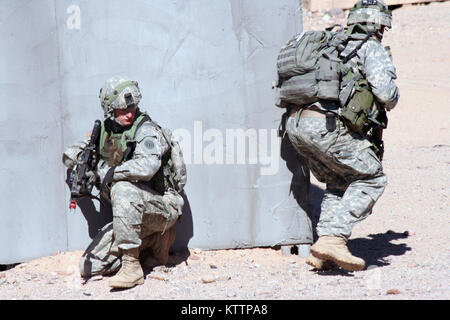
312	264
343	264
123	285
326	266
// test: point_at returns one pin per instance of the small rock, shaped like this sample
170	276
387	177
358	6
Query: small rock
96	278
212	266
208	279
393	291
193	257
250	260
86	293
152	276
261	293
11	280
292	261
231	294
223	278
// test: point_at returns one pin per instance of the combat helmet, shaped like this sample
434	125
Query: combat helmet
372	13
118	92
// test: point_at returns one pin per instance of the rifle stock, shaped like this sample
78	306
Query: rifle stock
379	123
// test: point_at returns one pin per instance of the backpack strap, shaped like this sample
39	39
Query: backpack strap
355	50
130	146
350	83
341	27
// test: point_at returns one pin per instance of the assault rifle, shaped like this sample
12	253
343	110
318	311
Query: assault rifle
378	122
77	179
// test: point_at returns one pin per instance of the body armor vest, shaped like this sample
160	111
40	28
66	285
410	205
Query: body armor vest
113	145
117	147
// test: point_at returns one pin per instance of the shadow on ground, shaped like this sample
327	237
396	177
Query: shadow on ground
175	258
376	248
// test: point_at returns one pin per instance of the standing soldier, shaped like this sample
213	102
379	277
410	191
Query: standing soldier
333	137
141	171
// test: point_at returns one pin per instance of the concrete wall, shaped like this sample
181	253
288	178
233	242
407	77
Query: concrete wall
205	69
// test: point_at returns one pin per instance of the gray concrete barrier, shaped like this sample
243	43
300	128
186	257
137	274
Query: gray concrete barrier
205	70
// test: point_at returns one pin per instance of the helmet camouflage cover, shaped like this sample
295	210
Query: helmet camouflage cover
119	93
370	12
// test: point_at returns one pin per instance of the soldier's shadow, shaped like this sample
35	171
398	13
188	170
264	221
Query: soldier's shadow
315	196
296	164
376	248
175	259
308	196
96	219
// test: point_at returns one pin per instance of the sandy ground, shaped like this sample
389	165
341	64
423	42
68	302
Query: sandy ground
404	242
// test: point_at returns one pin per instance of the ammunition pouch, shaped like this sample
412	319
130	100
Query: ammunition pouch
356	112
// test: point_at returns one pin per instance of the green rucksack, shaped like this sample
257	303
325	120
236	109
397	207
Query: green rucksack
312	66
172	173
308	69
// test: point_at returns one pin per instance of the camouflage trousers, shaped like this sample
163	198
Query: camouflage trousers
346	163
139	214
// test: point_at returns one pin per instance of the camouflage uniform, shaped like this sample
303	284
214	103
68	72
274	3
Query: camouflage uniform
142	216
342	159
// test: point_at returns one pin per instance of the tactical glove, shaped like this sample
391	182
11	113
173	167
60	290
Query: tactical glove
93	179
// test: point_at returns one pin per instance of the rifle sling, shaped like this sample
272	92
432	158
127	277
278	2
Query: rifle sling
108	177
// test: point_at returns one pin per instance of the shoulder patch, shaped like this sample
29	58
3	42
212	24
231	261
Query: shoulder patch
151	145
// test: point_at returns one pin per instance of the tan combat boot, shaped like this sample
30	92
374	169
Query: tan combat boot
130	273
319	264
335	249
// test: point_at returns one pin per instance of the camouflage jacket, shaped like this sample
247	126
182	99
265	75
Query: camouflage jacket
373	62
144	163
